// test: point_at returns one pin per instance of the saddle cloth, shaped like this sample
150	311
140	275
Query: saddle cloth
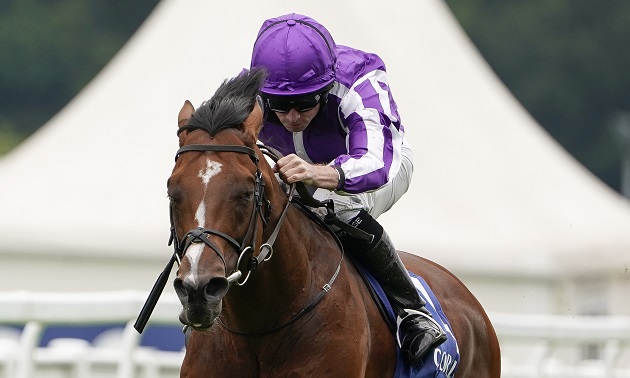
439	363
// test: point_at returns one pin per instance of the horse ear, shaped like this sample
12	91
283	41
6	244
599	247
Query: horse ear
185	113
182	119
253	124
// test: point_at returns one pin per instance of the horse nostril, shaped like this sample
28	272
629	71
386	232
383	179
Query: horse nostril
217	287
180	289
213	290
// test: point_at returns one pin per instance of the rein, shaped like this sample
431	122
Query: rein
262	207
266	249
201	234
314	203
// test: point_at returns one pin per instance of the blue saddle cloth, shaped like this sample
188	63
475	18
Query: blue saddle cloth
442	361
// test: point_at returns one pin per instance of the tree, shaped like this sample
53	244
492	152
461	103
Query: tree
51	50
566	62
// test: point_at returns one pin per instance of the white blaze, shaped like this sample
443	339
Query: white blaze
212	168
193	253
200	214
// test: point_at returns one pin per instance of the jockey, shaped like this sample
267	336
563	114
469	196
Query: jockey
331	113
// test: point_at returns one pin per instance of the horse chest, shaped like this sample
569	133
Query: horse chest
329	348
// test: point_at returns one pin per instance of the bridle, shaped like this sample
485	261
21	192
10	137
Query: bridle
261	209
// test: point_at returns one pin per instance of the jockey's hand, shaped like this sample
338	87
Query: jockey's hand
293	169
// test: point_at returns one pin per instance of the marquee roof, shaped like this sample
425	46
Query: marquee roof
492	192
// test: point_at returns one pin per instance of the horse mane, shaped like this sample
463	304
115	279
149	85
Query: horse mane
231	104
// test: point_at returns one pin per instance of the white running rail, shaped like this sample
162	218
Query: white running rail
21	356
532	346
564	346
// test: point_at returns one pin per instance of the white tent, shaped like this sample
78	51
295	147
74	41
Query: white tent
83	201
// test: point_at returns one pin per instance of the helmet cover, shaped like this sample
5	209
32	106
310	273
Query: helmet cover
298	54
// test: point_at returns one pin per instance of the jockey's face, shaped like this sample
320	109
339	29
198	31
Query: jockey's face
296	121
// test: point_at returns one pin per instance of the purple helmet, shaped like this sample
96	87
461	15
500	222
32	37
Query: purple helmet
298	53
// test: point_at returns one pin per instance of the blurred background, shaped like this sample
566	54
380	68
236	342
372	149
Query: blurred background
567	64
519	114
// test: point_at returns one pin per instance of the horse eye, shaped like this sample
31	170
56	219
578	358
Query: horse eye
174	199
246	197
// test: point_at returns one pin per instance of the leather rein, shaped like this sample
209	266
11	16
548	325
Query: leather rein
262	209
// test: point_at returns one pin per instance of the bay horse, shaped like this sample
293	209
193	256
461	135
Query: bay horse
266	290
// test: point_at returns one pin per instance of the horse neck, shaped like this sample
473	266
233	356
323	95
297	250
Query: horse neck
303	260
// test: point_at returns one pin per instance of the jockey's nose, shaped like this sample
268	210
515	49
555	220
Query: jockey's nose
205	289
293	115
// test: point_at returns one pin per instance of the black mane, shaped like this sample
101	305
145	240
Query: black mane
230	105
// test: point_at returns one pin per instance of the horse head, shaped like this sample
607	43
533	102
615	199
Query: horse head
219	205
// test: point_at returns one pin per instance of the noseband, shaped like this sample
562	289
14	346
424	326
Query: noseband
262	209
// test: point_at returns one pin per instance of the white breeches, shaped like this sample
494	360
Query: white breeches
375	202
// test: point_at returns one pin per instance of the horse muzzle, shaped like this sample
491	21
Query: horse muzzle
201	301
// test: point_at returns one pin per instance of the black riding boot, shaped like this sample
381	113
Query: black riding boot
417	331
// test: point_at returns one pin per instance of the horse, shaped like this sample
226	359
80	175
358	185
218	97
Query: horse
265	289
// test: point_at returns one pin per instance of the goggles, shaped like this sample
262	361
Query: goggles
301	104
